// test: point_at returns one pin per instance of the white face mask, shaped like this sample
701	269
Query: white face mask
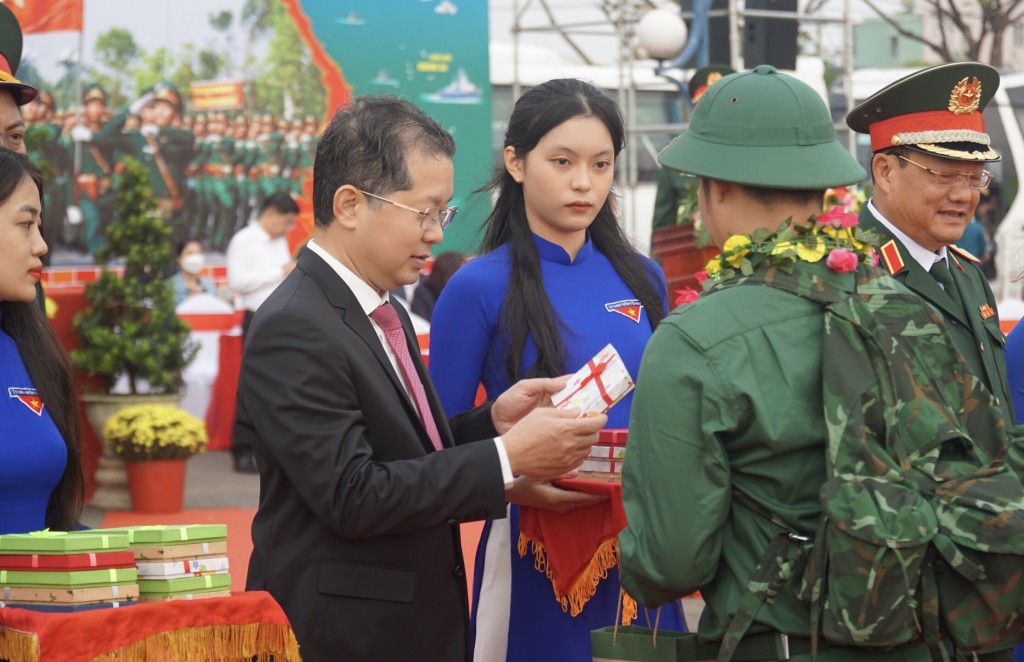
193	263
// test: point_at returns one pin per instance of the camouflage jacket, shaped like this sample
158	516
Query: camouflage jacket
728	400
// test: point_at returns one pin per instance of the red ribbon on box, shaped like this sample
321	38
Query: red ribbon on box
596	370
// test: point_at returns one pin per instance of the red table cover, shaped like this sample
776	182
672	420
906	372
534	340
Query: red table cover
241	626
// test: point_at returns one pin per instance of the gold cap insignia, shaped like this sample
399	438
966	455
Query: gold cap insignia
965	97
713	77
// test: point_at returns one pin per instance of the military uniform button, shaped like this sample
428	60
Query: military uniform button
459	572
981	346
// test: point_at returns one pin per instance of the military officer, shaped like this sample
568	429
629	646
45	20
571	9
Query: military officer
929	150
50	156
218	168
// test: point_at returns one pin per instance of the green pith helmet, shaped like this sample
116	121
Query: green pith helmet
166	91
705	77
10	58
937	111
763	128
94	91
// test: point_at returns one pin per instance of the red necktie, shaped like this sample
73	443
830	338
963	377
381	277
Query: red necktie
387	319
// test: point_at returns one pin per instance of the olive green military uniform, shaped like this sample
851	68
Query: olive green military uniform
728	399
972	324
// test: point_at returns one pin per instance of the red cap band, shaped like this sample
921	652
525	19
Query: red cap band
882	131
5	66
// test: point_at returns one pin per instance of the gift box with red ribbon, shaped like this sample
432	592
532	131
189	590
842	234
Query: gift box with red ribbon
596	386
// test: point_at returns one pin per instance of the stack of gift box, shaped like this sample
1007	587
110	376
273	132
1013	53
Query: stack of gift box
62	572
605	459
180	562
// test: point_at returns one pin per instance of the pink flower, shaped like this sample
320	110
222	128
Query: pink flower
701	276
838	217
873	257
842	260
689	295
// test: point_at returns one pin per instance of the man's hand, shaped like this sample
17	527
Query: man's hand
140	103
523	397
548	442
81	134
528	491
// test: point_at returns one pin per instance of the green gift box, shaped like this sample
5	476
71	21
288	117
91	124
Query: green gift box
77	579
159	535
61	542
184	585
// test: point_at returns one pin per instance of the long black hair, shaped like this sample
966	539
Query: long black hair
48	365
527	310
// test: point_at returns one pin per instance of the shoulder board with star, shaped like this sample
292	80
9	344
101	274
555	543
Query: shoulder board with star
964	254
891	257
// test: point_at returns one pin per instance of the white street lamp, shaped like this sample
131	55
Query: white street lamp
662	33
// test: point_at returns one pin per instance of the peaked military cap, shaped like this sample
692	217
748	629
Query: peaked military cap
937	110
10	58
94	91
706	76
763	128
166	91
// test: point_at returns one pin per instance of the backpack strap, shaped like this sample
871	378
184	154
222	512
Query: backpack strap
778	565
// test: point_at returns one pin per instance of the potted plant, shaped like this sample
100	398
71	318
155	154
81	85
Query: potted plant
129	335
155	441
130	329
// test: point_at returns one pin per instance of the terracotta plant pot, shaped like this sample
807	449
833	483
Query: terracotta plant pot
156	486
679	257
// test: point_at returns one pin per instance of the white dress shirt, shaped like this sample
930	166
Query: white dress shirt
255	263
369	300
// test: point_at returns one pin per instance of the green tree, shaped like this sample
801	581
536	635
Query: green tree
295	77
131	328
117	51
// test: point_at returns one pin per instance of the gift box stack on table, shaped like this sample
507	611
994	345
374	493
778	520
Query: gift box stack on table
59	572
179	562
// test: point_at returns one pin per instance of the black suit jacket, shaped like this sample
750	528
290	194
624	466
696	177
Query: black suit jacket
975	332
357	532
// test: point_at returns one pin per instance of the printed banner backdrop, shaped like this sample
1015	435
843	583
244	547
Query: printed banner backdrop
432	52
257	80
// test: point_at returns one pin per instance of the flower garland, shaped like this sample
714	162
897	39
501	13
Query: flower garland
832	236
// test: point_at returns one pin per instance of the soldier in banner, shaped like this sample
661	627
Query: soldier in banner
44	137
164	149
268	157
92	196
219	159
196	212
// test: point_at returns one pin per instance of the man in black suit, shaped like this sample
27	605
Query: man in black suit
357	533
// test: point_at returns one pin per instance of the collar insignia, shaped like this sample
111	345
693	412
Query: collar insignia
965	97
986	311
630	308
967	255
28	397
891	257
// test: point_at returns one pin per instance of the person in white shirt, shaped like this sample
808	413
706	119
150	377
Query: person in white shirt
258	260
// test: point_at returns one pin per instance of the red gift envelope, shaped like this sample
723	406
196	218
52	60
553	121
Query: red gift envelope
596	386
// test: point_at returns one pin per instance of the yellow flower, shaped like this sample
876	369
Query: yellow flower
782	248
51	308
713	267
811	249
736	247
155	432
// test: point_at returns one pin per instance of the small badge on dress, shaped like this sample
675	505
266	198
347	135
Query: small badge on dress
986	311
628	308
28	397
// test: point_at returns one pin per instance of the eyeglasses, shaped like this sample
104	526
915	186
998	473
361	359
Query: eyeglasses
442	218
950	179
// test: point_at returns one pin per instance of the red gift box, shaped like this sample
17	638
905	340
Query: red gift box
95	561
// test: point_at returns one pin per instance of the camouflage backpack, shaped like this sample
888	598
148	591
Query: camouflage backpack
922	529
